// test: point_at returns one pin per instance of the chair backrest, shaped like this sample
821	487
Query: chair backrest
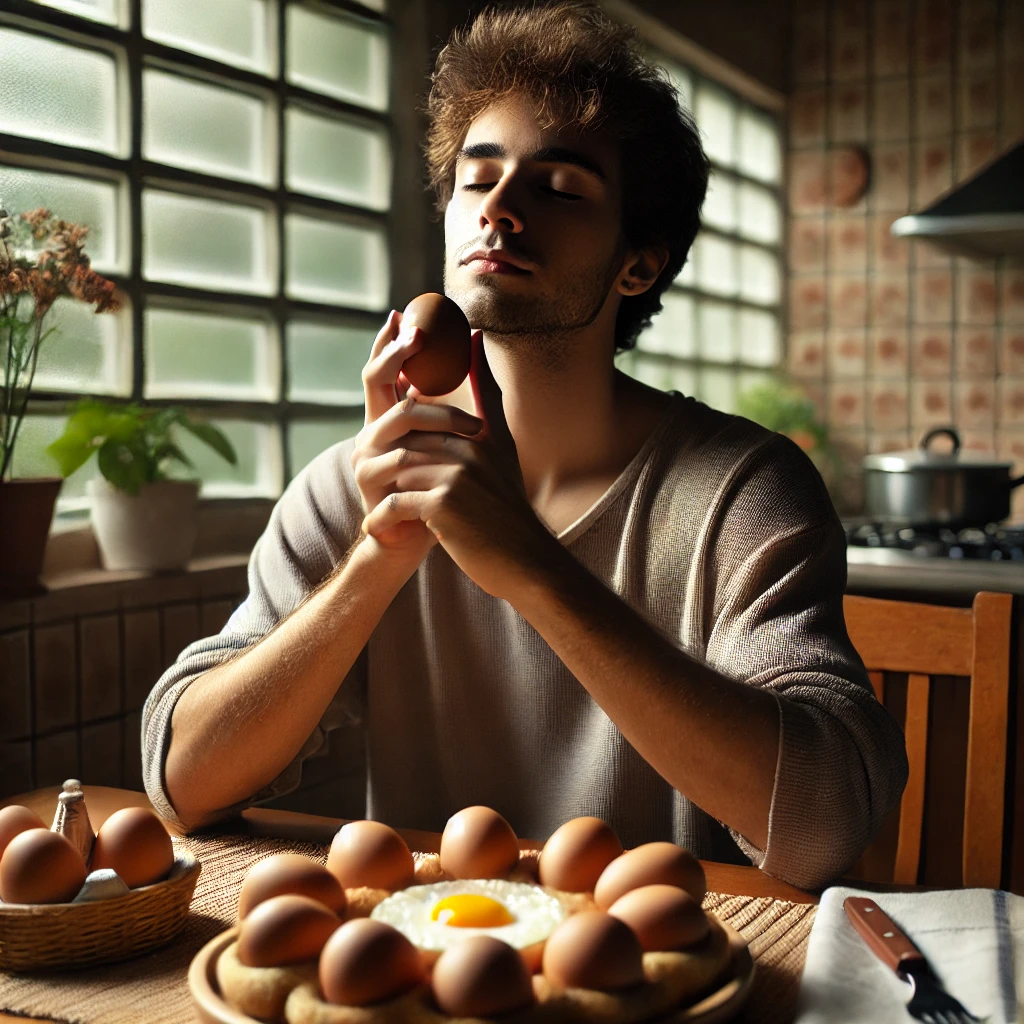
927	640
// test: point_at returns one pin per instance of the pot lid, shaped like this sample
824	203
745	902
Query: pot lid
925	458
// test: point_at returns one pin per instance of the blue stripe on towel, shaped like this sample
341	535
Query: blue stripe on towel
1004	954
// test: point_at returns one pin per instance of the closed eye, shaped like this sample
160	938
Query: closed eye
480	186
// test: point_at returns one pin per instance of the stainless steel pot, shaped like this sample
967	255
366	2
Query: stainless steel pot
923	488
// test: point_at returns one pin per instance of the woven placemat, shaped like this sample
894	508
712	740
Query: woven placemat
154	988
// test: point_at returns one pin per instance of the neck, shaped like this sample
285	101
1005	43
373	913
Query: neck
564	418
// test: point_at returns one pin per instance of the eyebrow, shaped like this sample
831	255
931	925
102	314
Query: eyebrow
547	155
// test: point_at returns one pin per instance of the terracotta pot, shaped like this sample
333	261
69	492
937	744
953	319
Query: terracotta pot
154	530
26	511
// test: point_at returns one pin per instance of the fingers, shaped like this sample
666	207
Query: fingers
400	507
389	351
411	415
420	463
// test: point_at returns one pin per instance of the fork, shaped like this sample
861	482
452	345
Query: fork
929	1002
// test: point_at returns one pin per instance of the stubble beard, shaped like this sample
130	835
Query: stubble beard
541	327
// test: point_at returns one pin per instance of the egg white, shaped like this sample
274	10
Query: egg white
536	913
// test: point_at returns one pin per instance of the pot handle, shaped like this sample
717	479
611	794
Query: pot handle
949	432
1017	482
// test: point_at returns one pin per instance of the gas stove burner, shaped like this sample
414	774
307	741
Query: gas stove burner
995	542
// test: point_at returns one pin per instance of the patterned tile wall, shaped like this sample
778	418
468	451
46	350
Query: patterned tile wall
889	337
76	667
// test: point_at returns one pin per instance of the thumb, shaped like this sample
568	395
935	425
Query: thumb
486	392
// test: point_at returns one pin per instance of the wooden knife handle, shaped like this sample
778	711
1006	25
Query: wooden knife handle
883	937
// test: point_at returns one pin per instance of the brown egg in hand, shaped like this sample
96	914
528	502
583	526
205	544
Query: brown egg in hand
442	363
367	961
285	930
15	820
283	873
135	844
650	864
478	842
592	949
40	866
576	853
662	917
370	853
481	976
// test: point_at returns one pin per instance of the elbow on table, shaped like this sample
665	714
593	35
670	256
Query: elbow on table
172	801
819	850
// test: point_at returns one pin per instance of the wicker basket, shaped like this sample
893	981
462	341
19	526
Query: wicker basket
61	935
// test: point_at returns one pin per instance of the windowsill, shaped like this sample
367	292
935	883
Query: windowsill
228	528
93	577
77	584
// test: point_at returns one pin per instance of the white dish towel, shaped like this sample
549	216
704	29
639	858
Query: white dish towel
973	939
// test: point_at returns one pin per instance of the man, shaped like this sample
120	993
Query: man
557	591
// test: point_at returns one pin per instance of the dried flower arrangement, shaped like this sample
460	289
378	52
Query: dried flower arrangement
42	259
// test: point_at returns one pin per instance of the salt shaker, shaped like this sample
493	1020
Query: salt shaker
72	819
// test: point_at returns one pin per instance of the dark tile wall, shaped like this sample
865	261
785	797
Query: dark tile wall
891	338
77	665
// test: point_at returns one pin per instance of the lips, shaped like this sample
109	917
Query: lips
497	256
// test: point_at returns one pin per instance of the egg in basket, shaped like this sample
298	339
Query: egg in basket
581	932
70	897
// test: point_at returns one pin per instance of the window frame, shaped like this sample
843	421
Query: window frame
666	45
134	53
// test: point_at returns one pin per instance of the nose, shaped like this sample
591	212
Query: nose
499	210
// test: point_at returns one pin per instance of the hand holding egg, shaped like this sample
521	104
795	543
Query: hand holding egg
442	364
434	355
412	467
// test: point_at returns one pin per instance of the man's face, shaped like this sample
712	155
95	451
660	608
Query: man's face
548	200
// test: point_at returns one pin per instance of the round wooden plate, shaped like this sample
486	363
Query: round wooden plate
720	1005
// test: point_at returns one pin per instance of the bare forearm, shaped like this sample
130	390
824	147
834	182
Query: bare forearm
237	726
712	738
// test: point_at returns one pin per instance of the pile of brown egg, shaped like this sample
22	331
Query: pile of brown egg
586	931
39	865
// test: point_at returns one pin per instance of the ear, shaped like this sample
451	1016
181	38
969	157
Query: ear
641	270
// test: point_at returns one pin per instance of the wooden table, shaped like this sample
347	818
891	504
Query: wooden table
102	801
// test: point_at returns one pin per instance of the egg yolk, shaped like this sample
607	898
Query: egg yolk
469	910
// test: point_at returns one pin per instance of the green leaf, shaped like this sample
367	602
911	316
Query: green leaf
212	436
158	426
169	450
124	464
84	432
70	454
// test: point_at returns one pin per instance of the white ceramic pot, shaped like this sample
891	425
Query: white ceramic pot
153	530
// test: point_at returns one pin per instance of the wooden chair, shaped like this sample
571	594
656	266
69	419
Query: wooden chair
927	640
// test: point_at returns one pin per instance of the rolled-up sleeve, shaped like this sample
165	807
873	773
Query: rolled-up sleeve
842	761
310	529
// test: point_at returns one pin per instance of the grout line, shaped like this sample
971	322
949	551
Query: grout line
870	271
912	249
122	674
77	633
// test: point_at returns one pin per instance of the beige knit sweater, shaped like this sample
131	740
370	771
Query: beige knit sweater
719	532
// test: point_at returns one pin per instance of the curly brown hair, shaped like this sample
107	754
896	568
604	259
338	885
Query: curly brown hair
579	68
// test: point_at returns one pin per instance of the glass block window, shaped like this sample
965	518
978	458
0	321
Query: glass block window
58	92
233	161
720	328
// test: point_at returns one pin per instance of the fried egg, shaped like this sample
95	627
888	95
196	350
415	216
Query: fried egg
435	917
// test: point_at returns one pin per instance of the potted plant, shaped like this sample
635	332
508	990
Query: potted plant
783	407
142	518
42	259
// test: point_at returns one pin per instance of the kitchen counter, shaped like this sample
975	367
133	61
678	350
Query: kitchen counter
891	569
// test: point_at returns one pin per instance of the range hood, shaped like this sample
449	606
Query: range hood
983	217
